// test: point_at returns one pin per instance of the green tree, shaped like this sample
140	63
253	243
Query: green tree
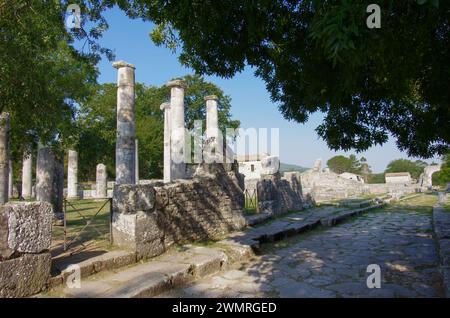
442	177
375	178
97	122
365	168
415	168
321	56
340	164
43	77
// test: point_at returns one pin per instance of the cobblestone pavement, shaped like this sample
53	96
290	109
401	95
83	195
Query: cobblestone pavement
332	262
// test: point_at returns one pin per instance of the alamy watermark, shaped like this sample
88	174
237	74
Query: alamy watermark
374	279
193	146
374	19
73	280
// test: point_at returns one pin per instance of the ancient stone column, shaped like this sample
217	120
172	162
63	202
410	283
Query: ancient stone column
72	175
45	170
177	132
136	143
102	181
167	164
212	148
212	117
4	157
27	179
10	179
126	131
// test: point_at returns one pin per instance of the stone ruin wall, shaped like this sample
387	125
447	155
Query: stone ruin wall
25	238
149	218
278	195
323	186
296	191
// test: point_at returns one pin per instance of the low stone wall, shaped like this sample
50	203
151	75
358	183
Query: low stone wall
25	238
149	219
329	186
323	186
396	188
277	195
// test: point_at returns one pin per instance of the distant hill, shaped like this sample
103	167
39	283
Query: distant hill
288	167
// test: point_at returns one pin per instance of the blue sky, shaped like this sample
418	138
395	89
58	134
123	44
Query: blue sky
299	143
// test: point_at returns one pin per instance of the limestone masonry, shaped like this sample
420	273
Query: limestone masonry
150	218
25	238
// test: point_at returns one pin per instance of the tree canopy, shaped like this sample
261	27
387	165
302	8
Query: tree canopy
97	123
43	77
340	164
314	56
320	56
415	168
442	177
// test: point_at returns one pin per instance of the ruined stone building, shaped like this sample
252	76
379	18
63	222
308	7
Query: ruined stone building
398	177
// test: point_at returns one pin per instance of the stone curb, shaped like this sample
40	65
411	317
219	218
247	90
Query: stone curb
303	226
258	218
410	197
341	217
95	265
441	228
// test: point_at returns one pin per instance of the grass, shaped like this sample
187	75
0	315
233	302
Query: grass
446	205
250	211
78	213
358	199
425	199
372	196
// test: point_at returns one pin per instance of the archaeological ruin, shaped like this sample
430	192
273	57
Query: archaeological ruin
193	202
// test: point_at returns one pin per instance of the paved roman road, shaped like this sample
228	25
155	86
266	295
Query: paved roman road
332	262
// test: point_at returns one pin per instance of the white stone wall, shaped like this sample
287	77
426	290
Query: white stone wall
246	169
398	179
324	186
351	176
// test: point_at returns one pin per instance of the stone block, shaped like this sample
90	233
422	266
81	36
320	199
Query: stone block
24	276
270	165
25	227
130	198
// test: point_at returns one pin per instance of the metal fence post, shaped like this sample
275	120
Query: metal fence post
110	221
65	225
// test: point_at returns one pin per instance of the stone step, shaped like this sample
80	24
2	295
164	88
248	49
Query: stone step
171	270
88	264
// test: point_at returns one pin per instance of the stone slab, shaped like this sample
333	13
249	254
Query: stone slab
24	276
26	226
108	261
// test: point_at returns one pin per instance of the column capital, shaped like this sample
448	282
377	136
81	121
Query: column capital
211	97
176	83
164	106
120	64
